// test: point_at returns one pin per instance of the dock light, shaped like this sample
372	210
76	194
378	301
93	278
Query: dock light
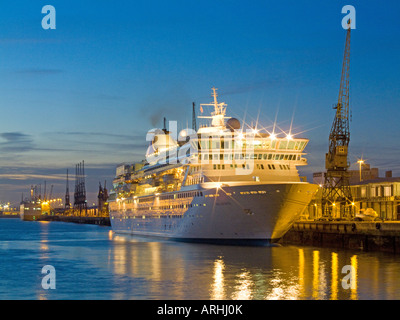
360	162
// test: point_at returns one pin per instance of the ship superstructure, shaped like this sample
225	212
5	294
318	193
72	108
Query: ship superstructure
221	183
31	209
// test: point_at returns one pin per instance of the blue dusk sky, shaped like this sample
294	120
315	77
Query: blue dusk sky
111	70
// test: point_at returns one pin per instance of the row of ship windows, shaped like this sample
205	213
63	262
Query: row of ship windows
177	206
217	143
258	166
253	156
242	192
189	194
254	192
162	216
196	180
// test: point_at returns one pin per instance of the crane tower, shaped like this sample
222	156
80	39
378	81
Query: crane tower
337	201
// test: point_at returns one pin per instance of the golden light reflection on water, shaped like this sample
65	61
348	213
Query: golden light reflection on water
44	246
315	292
354	264
120	260
283	288
231	273
243	288
334	280
155	259
301	273
218	289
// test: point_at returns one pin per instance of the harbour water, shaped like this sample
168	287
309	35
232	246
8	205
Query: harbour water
93	263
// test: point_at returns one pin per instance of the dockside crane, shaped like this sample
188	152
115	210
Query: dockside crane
67	204
337	201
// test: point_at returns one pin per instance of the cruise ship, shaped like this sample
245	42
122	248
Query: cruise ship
222	183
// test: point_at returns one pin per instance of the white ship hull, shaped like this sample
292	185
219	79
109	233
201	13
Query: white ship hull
240	213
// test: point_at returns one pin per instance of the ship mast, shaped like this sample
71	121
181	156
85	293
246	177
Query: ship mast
218	115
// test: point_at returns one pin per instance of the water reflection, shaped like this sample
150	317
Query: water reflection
315	274
244	286
218	290
334	280
354	285
301	273
93	263
193	271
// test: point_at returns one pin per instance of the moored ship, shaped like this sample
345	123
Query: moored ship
31	209
223	183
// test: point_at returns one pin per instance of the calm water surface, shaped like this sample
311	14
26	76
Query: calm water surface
93	263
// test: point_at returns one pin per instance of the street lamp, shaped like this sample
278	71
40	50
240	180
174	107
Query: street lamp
360	162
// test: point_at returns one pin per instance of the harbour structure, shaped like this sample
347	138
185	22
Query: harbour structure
221	183
374	227
9	210
377	195
67	202
31	209
380	195
336	194
102	200
355	176
80	202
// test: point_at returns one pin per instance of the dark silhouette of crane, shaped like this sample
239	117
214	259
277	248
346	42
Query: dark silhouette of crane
80	202
67	204
337	201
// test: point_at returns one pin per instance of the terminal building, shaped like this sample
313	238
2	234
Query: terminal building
381	194
367	173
